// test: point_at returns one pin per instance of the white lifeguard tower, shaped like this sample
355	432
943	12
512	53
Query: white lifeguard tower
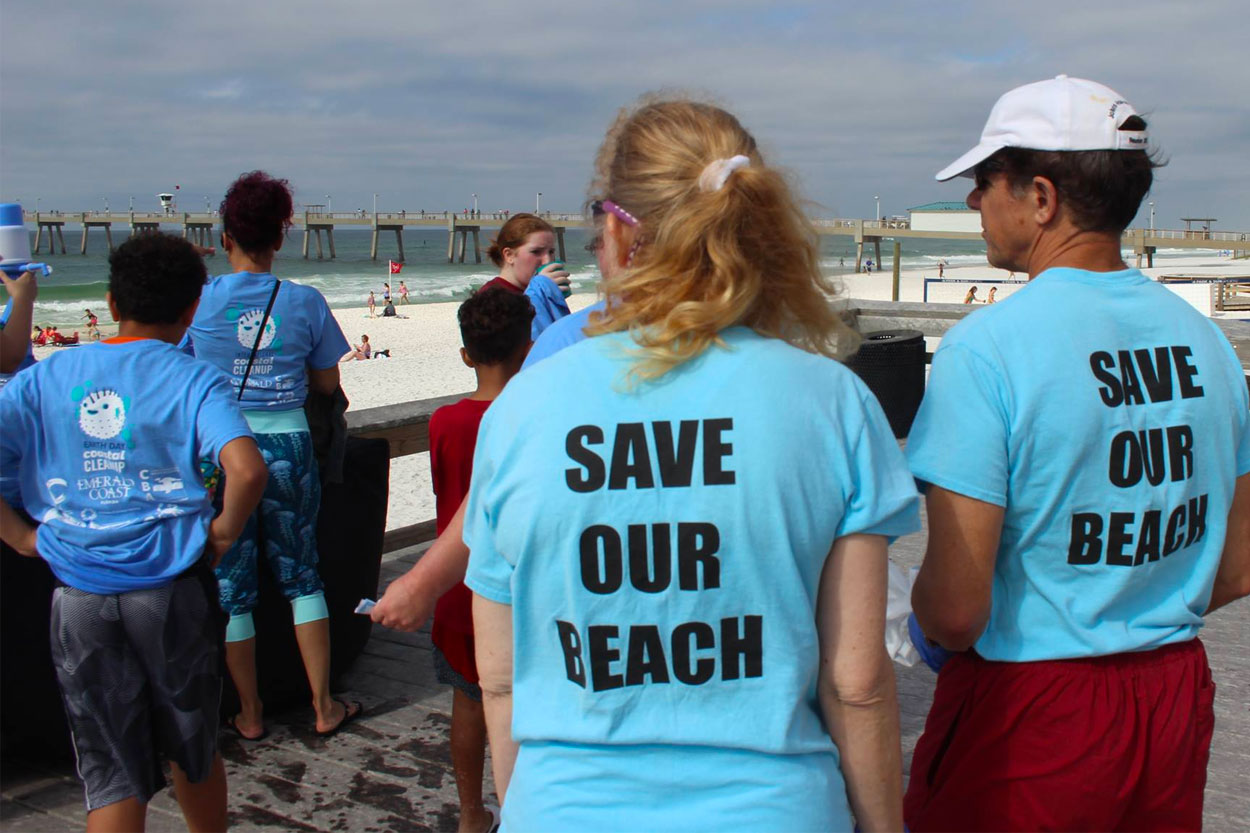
167	202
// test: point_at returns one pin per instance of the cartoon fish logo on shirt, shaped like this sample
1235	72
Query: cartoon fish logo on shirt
102	413
249	324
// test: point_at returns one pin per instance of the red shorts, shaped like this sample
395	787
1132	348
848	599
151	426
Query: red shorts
453	631
1107	743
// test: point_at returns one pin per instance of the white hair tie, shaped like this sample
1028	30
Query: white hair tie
714	175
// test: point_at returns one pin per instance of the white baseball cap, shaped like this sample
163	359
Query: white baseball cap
1059	114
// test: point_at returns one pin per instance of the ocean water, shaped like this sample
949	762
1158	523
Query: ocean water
79	281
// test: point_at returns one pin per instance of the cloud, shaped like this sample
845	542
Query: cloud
229	90
428	103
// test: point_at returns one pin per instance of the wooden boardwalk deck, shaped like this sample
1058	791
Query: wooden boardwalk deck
391	770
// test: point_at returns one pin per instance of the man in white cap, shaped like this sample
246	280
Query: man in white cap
1087	458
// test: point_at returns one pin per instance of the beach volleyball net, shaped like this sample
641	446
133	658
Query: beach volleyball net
954	290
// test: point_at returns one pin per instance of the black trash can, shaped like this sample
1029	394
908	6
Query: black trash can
891	363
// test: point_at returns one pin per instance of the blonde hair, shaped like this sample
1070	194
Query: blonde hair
743	254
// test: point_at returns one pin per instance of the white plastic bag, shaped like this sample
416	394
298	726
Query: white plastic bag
897	608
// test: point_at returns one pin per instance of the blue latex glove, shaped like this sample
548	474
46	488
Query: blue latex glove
934	655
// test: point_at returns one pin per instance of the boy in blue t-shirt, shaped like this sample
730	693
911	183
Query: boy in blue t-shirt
495	327
106	452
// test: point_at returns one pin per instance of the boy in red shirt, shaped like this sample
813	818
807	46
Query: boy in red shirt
495	329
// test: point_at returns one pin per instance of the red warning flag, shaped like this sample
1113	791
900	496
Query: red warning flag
396	268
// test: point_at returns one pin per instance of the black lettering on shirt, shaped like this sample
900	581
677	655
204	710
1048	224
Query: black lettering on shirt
571	646
685	668
601	576
575	445
1185	372
650	568
747	646
676	462
630	458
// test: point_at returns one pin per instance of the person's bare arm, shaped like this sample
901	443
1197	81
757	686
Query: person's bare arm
1232	580
245	479
16	531
409	600
856	684
324	381
951	597
15	337
492	634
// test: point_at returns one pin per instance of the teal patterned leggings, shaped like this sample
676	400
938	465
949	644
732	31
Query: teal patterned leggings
285	526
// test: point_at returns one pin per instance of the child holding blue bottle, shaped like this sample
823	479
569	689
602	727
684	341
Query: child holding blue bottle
105	450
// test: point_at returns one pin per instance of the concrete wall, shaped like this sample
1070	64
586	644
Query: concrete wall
946	221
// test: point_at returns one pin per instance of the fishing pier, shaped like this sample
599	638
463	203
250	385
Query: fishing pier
315	222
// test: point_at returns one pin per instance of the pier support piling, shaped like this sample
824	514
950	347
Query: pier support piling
898	257
560	242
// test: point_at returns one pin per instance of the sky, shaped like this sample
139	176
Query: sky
426	103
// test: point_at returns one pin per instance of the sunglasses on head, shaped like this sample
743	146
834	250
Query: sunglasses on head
600	207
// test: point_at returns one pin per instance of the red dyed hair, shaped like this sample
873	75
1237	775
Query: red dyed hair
257	211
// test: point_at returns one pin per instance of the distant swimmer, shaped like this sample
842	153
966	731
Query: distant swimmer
971	297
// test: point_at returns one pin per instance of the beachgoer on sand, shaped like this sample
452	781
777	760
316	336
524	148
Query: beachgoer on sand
136	627
597	402
989	299
373	305
254	328
1086	450
495	329
93	330
360	352
403	293
971	297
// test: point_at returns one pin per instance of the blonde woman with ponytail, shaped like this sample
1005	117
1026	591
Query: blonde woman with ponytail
678	525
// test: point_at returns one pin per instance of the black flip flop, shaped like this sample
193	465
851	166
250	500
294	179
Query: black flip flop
234	727
348	716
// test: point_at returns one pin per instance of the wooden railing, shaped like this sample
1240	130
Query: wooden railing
406	426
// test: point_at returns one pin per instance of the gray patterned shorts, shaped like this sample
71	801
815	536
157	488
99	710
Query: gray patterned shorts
140	675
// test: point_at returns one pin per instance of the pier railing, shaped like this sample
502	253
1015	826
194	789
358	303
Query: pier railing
406	426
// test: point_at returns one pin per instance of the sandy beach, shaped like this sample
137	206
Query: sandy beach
425	352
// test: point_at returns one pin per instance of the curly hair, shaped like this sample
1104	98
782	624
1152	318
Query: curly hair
155	278
494	324
256	211
514	233
743	254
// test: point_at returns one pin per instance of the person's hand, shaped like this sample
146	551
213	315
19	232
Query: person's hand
405	606
21	289
558	274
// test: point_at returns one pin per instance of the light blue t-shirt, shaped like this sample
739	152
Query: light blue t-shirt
106	440
301	332
1110	419
548	303
563	333
661	550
